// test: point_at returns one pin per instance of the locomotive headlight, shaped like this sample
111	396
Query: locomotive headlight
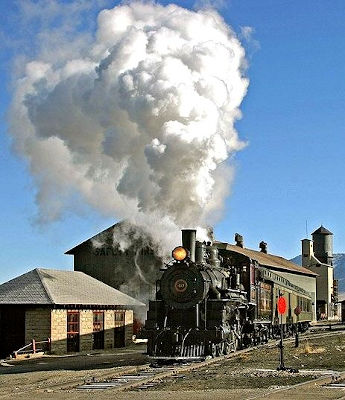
179	253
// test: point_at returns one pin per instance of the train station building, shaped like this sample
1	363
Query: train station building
71	309
122	256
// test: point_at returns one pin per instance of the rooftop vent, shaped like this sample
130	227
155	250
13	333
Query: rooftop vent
239	240
263	247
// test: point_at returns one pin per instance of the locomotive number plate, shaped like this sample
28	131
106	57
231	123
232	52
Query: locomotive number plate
180	285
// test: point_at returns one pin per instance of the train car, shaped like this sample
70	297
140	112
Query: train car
270	286
207	305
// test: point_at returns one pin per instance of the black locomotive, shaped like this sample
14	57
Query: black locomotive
209	303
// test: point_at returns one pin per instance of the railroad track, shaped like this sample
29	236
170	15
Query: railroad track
146	377
149	376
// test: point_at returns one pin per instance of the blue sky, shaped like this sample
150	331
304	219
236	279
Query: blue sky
292	170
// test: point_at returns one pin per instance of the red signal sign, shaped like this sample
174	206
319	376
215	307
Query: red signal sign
281	305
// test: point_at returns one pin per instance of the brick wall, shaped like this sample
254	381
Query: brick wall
37	324
86	329
59	331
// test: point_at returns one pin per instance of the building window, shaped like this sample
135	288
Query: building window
98	330
119	316
265	300
72	331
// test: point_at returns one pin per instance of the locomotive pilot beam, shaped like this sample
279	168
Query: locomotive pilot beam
209	303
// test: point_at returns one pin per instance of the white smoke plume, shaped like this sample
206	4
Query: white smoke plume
138	121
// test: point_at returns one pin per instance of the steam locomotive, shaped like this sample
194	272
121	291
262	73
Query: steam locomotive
210	301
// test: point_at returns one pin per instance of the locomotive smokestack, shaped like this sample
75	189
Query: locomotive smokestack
188	241
239	240
263	247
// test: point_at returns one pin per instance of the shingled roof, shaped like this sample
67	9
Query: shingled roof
322	230
268	260
54	287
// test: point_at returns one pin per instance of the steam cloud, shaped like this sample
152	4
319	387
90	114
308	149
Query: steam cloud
139	121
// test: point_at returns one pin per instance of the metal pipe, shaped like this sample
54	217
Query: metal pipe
197	316
205	310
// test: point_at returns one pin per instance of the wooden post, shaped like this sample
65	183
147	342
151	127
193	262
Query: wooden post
33	342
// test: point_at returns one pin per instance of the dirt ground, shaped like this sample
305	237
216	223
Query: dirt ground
248	376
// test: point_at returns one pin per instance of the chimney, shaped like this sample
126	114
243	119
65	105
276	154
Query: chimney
239	240
263	247
188	242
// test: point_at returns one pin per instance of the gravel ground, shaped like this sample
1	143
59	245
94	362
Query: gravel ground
249	376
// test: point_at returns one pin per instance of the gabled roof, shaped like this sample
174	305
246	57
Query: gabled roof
48	286
105	232
322	230
268	260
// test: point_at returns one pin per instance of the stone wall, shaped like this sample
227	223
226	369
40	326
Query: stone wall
109	324
42	323
86	329
37	324
129	326
59	331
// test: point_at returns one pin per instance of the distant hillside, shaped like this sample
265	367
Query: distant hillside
339	268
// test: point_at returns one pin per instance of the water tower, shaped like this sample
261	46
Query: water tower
323	245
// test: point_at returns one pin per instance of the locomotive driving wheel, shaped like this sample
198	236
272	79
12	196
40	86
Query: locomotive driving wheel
219	349
227	348
230	347
213	350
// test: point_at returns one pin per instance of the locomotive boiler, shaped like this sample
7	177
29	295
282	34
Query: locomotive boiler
209	304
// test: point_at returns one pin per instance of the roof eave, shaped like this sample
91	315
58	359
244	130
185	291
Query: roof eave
312	274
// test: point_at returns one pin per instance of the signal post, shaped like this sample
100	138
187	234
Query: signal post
282	306
281	310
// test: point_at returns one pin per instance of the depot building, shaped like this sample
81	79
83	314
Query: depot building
65	311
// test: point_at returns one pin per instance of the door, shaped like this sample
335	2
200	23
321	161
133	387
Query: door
73	333
119	331
98	330
12	329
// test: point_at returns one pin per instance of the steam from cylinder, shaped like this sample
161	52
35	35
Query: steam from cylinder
137	120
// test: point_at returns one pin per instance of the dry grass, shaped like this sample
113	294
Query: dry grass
309	349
